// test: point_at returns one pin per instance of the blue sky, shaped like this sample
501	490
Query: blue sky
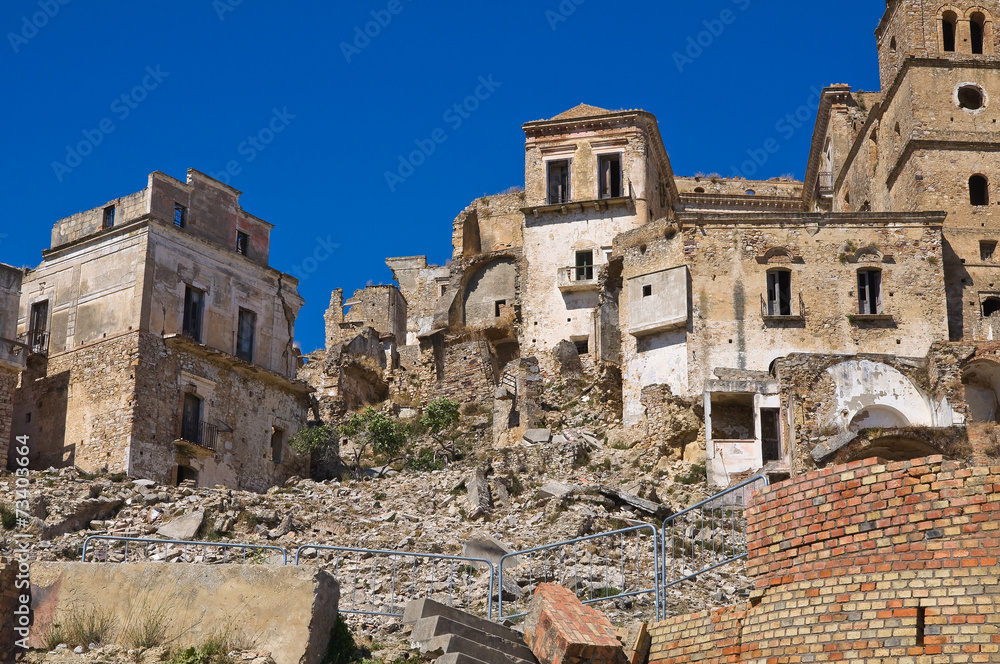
168	85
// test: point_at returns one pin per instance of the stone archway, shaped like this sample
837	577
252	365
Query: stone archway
981	380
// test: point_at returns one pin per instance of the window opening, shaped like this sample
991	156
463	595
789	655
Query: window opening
986	249
869	292
609	168
584	265
582	346
977	30
496	307
558	182
779	293
109	217
990	306
970	97
191	418
194	303
979	190
277	445
242	243
245	335
180	215
770	434
647	290
948	23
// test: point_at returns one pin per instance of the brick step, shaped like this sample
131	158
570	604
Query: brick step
451	644
427	629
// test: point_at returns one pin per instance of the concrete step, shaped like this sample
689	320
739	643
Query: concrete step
452	643
511	643
458	658
426	608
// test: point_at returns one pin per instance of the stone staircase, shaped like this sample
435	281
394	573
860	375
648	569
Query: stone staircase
450	636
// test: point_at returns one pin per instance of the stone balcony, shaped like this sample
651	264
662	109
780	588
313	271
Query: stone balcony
575	279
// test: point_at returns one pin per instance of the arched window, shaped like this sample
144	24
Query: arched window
979	190
977	31
991	305
949	21
779	293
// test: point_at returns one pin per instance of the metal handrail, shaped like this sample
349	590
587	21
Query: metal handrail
36	342
415	557
201	434
185	543
707	550
575	542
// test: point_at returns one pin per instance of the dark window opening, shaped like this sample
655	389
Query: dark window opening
647	291
582	346
921	623
109	217
986	249
194	306
948	23
558	182
191	418
979	190
770	434
242	243
245	335
496	307
971	97
277	446
443	290
180	215
584	265
990	306
869	292
609	170
977	31
779	293
699	190
892	44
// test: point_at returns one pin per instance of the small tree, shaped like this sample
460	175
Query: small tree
320	442
374	430
439	416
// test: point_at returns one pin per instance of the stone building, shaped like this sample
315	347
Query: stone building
13	350
168	347
810	322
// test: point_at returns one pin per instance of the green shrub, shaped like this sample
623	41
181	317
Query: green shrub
342	649
7	517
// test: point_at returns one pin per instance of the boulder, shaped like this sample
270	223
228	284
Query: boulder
183	527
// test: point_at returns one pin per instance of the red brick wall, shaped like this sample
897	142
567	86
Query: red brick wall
867	562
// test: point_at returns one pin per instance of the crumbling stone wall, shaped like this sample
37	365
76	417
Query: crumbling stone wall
422	286
491	223
8	383
380	307
9	602
911	542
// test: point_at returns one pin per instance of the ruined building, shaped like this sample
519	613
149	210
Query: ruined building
852	313
13	350
161	342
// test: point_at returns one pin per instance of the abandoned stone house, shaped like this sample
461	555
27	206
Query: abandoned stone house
13	351
813	321
160	342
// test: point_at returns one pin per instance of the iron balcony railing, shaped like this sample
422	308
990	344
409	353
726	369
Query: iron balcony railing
200	433
36	341
771	309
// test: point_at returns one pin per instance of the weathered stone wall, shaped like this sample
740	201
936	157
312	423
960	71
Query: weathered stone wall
491	223
9	603
865	562
8	383
80	225
247	404
379	307
78	407
460	369
422	286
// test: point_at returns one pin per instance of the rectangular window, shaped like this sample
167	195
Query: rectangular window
609	176
180	215
582	346
647	291
194	306
191	418
245	335
109	217
779	293
869	292
557	180
986	249
497	305
38	327
242	243
584	266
